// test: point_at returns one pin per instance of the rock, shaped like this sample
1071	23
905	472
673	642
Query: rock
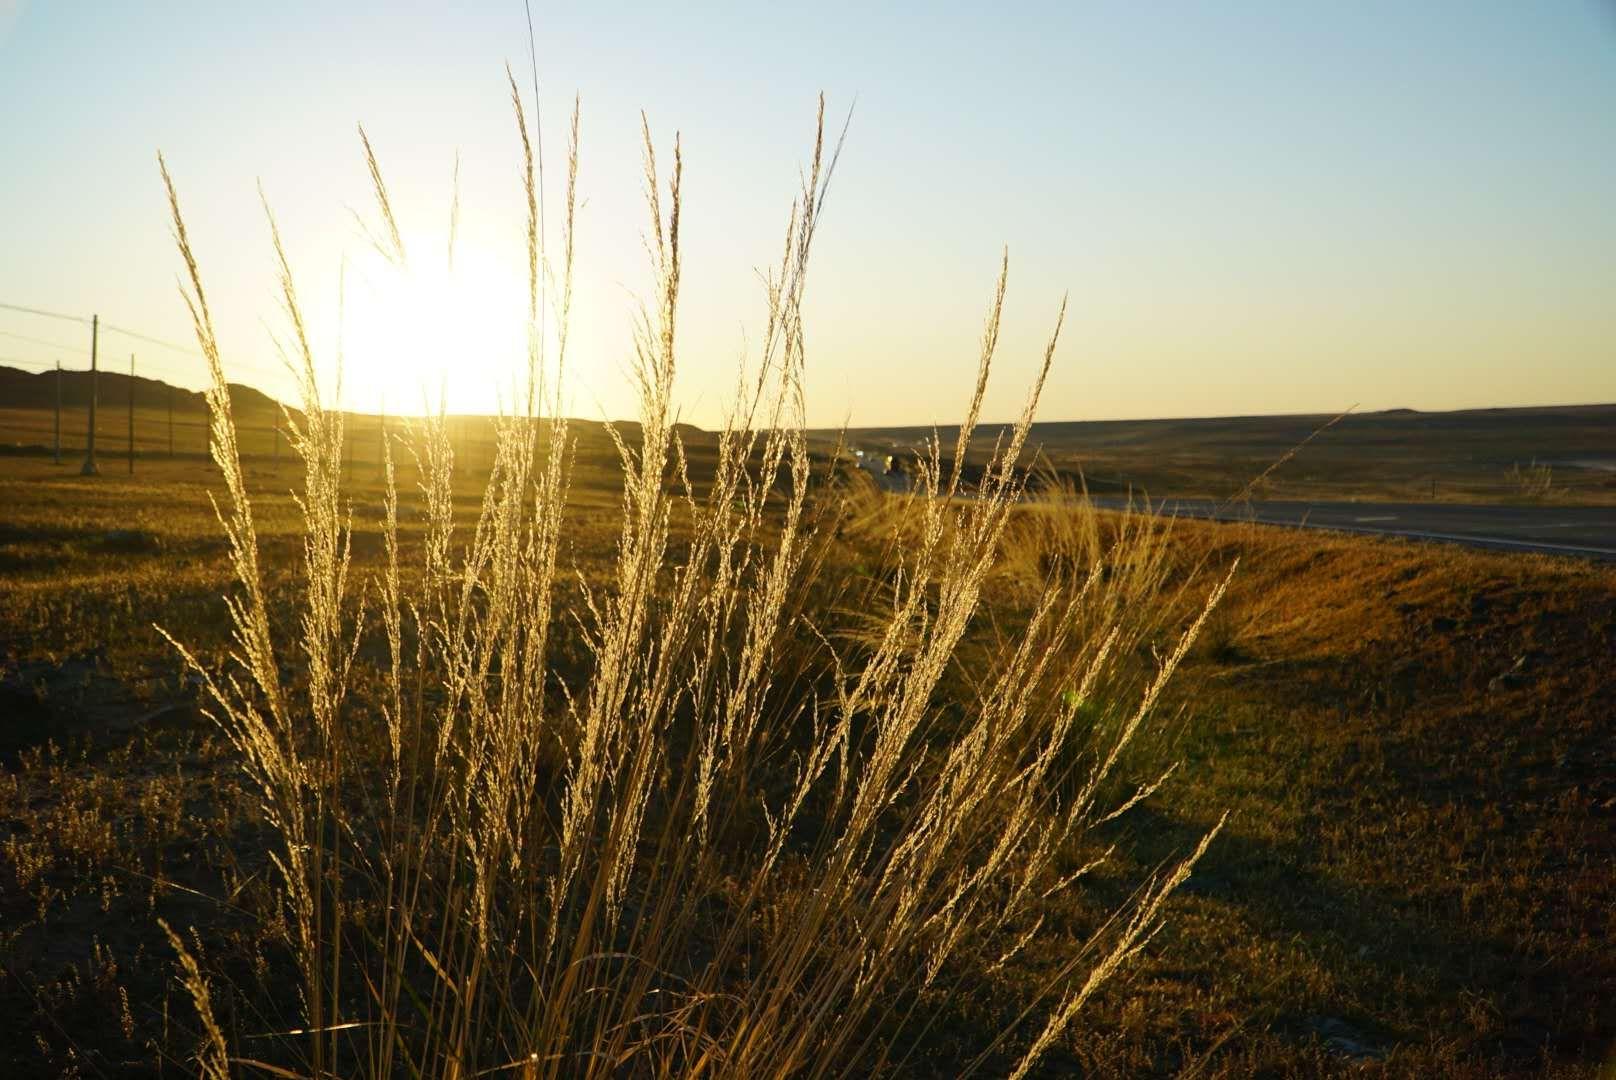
1509	679
131	541
27	719
1342	1038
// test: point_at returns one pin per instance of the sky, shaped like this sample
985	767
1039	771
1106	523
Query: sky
1254	207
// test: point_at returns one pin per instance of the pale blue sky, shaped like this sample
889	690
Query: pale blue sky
1257	207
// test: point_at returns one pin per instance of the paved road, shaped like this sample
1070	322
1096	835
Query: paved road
1585	531
1588	532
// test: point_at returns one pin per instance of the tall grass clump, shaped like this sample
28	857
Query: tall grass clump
1533	483
744	837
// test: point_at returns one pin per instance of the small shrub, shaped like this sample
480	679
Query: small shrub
1534	483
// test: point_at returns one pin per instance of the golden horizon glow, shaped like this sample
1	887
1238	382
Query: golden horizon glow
1255	209
419	333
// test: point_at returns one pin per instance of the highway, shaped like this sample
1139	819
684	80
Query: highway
1582	531
1585	531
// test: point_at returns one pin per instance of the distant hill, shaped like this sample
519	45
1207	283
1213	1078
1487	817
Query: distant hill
1548	433
37	390
1397	452
1463	455
1576	423
27	400
21	389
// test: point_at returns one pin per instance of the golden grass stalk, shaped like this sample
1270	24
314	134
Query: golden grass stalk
212	1059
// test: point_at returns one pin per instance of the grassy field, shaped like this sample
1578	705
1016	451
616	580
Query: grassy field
1413	743
1525	455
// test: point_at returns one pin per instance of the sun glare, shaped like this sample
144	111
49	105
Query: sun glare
424	332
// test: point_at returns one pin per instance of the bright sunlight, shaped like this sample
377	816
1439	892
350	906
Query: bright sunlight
421	331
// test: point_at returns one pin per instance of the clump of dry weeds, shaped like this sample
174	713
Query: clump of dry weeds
743	841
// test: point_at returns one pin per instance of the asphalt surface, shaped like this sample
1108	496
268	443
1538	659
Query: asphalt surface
1588	531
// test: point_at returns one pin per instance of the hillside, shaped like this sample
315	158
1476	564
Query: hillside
27	422
1402	453
37	390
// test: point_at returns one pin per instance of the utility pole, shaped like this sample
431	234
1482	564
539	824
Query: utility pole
171	423
131	414
56	435
90	468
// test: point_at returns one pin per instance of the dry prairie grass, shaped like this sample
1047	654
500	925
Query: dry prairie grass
743	838
1416	862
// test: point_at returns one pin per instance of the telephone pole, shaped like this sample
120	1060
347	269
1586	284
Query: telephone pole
171	423
56	433
131	414
90	468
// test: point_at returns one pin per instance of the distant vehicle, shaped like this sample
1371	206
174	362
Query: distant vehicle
876	462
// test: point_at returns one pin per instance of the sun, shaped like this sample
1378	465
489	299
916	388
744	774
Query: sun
421	330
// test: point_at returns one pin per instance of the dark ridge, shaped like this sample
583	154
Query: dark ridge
21	389
37	390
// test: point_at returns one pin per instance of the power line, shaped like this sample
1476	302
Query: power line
137	335
148	339
235	364
260	369
263	372
81	320
159	366
42	341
